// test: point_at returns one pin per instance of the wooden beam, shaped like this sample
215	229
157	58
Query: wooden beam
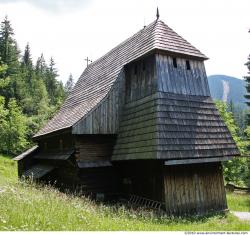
199	160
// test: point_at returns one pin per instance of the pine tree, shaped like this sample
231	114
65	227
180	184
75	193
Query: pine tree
26	60
41	66
247	79
29	95
69	85
9	52
54	87
52	68
231	107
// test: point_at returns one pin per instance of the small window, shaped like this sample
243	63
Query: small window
175	62
135	70
188	65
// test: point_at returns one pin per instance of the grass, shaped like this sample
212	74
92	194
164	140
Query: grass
32	207
238	202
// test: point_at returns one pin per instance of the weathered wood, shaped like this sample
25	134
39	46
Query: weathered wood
170	124
104	117
194	189
196	161
180	80
26	160
57	143
98	148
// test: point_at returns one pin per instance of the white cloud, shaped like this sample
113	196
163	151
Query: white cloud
52	5
218	28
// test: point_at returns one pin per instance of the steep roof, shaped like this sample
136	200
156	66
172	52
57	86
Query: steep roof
98	77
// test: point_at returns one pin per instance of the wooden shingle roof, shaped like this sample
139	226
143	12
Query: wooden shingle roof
173	126
98	77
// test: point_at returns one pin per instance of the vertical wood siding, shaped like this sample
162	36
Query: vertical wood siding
140	79
180	80
194	189
104	118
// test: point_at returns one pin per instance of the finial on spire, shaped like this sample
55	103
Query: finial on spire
157	14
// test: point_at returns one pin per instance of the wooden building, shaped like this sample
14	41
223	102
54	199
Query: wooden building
139	121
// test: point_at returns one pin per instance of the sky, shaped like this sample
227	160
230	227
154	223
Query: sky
71	30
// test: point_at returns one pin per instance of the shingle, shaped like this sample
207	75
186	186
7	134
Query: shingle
97	79
38	171
65	155
164	129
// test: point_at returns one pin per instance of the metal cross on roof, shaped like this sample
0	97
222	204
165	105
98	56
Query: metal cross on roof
88	60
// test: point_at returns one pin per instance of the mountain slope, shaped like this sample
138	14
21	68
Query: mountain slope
228	88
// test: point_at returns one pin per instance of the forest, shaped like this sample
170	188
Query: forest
30	94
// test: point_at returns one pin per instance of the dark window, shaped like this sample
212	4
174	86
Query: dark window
188	65
175	62
135	70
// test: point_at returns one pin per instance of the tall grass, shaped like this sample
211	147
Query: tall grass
26	206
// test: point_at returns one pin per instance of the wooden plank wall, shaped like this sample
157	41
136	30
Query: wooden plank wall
194	189
104	118
57	143
140	79
98	147
180	80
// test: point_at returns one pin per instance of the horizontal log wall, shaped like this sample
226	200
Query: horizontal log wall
104	118
194	189
181	80
97	147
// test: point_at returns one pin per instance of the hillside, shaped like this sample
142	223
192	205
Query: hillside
228	88
25	207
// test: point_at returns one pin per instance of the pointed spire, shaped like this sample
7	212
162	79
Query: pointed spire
157	14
